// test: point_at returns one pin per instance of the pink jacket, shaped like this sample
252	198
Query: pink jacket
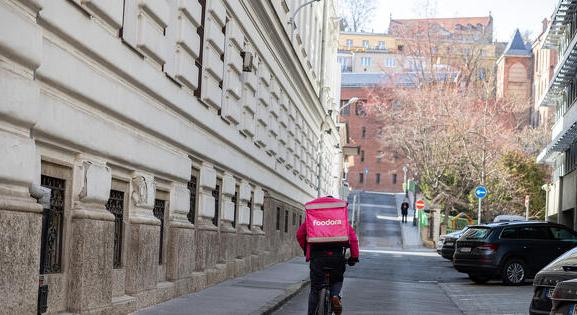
302	239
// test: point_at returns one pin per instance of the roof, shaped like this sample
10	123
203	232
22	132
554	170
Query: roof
512	223
517	47
450	24
406	79
365	33
366	79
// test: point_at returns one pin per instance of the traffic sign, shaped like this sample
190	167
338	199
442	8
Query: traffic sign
480	192
526	201
420	204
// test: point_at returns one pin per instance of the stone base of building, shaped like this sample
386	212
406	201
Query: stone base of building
20	259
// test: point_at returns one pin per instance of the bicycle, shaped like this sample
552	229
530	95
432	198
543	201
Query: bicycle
324	306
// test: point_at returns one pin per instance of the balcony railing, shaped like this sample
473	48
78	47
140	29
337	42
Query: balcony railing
565	71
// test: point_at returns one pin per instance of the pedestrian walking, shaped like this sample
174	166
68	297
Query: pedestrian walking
404	210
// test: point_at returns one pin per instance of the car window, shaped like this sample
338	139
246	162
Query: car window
477	233
567	259
534	233
560	233
510	233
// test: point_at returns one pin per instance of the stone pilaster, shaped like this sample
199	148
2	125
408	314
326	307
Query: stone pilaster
257	213
207	250
244	210
228	236
228	189
91	255
143	236
180	251
21	219
20	215
258	237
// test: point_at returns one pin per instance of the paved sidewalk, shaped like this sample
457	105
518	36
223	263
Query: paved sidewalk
409	233
259	292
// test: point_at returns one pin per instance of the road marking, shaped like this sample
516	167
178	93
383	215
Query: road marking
424	254
386	217
371	205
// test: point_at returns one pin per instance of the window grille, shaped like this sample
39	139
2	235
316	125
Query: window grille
158	211
52	226
192	188
115	205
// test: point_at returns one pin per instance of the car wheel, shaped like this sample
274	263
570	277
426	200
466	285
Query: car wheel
479	279
514	272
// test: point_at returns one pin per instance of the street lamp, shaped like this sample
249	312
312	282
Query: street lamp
292	19
320	148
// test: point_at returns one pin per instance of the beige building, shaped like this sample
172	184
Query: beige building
544	61
559	98
171	143
368	52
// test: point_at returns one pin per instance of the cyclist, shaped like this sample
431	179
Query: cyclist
330	255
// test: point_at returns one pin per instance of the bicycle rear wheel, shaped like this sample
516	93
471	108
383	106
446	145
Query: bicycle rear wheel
324	305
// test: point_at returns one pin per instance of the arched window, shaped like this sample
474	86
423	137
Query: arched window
517	73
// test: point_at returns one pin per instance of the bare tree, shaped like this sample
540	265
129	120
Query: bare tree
449	125
358	13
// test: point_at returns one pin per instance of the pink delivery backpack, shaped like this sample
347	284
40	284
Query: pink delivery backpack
327	220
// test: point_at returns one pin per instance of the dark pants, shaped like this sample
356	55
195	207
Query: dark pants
337	263
404	218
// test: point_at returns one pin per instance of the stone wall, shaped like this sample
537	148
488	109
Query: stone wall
167	148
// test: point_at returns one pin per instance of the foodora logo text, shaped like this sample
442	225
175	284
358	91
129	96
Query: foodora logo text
327	222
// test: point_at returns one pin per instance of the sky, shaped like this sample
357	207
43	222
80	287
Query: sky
508	15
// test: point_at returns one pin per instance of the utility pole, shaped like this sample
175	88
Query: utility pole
405	188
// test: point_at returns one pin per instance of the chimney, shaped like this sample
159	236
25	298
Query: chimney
545	24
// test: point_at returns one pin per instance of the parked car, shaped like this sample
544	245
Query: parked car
440	243
449	243
508	218
565	298
561	269
511	251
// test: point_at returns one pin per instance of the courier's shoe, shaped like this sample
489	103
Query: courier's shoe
336	305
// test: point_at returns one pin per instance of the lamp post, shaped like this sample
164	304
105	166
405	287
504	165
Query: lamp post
416	181
321	138
406	191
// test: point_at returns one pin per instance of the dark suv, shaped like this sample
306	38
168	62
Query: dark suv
512	251
449	243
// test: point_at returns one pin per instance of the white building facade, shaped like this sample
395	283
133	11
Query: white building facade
560	96
178	140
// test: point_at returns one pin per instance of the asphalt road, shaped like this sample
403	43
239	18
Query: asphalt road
389	280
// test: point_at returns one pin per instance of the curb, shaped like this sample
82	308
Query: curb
280	300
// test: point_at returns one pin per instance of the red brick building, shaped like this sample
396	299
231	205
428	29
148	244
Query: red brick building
384	165
514	70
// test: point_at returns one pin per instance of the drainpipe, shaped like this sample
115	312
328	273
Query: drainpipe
323	53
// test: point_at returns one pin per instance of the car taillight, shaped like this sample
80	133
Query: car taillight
487	248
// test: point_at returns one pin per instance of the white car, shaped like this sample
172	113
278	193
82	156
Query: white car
508	218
